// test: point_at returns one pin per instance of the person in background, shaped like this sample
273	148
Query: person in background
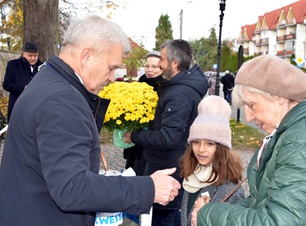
49	172
208	166
272	92
166	138
212	84
19	73
152	76
228	81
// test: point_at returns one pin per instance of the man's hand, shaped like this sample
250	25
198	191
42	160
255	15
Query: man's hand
166	187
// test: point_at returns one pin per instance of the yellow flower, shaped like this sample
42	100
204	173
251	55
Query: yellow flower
132	105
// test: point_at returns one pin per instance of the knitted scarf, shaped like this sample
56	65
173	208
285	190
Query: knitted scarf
195	180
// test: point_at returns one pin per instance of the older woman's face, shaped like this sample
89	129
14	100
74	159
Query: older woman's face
267	113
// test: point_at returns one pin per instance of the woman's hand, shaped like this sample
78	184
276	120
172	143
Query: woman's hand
201	201
127	137
194	216
198	204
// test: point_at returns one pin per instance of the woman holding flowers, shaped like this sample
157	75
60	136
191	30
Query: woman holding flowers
166	138
152	76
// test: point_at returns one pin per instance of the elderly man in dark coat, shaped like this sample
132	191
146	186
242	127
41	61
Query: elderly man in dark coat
19	73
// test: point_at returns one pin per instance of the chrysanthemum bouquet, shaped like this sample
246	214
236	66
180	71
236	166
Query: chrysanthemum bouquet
132	106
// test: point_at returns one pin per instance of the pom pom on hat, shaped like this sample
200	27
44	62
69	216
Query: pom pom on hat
273	75
212	122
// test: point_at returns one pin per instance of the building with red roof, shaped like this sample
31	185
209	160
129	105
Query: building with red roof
280	32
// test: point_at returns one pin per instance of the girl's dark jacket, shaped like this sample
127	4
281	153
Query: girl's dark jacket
50	163
216	193
166	139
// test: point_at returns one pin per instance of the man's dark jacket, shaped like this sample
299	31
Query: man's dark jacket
50	163
166	139
17	75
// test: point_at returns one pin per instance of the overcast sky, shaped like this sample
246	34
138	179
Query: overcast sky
139	18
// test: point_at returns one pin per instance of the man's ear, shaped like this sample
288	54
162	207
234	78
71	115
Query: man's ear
174	65
85	56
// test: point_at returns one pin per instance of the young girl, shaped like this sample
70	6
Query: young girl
210	170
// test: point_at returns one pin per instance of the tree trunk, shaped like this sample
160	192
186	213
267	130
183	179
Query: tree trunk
41	25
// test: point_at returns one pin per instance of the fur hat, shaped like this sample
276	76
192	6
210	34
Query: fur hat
30	47
273	75
212	122
153	53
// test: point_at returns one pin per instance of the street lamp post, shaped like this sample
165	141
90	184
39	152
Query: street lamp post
181	24
222	8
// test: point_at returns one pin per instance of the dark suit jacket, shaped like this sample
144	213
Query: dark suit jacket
17	75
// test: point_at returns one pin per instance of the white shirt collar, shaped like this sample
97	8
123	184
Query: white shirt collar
79	78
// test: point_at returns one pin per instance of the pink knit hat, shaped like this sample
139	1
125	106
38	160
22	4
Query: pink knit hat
212	122
273	75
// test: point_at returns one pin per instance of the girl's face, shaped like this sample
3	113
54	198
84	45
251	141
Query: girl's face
204	151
